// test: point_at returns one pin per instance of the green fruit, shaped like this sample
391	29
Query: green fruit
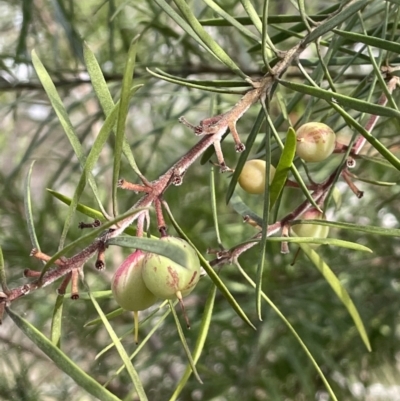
315	142
128	287
311	230
252	177
167	279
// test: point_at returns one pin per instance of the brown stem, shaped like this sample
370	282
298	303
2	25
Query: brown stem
75	284
64	284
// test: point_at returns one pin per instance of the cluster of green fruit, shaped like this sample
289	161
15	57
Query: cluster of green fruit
145	277
315	142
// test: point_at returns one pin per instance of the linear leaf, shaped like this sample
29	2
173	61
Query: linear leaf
340	291
201	339
97	78
122	114
56	321
391	232
91	160
336	20
28	209
184	342
342	100
206	38
283	167
141	344
62	361
86	210
103	94
293	331
191	84
121	350
65	121
3	280
230	20
370	40
160	247
322	241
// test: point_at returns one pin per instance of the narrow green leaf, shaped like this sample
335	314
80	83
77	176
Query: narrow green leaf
374	182
342	100
190	84
122	114
184	343
327	26
370	40
86	210
97	79
206	38
340	291
56	321
230	20
91	160
121	351
109	316
293	168
377	160
391	232
212	274
3	280
103	94
141	345
272	19
252	13
283	167
214	205
63	117
62	361
160	247
323	241
201	339
28	209
293	331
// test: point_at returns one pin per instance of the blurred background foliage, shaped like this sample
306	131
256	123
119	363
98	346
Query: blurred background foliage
237	362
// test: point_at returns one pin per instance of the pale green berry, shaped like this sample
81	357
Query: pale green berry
311	230
128	287
252	177
315	142
170	280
